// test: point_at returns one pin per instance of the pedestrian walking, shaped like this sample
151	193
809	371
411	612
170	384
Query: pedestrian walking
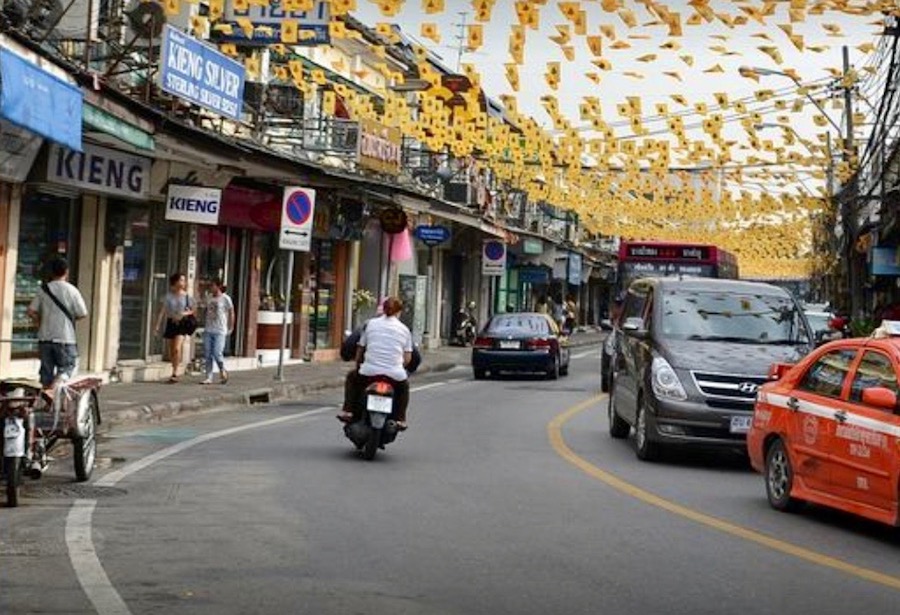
55	309
219	325
176	320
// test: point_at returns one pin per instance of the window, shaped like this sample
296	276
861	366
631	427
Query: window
635	304
827	375
875	370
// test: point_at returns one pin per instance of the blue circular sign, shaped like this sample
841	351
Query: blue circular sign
494	250
298	208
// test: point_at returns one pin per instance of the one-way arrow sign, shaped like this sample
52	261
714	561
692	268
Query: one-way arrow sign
297	213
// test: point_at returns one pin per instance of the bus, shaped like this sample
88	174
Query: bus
648	259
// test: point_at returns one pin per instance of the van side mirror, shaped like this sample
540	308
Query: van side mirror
880	397
634	327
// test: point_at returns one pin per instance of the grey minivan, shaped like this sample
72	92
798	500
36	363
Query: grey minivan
692	354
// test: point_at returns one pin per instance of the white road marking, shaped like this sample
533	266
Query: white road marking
589	353
79	542
88	569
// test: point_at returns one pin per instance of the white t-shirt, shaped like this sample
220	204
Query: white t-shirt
385	340
217	310
55	325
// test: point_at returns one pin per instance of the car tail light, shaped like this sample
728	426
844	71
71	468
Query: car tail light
538	344
778	370
483	343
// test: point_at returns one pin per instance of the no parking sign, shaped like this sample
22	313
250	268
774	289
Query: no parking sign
493	258
298	208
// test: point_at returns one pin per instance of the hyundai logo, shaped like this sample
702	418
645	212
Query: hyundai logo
748	388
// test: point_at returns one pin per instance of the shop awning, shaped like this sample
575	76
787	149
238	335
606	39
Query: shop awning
422	206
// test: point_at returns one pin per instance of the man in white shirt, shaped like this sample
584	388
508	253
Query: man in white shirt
56	308
385	349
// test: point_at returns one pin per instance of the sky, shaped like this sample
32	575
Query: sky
698	83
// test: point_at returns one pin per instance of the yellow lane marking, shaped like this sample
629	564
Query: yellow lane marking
554	431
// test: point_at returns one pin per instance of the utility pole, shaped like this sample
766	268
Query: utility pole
461	39
848	208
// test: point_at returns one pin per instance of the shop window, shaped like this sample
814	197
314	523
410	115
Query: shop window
48	227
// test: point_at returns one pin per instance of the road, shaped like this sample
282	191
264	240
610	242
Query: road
490	503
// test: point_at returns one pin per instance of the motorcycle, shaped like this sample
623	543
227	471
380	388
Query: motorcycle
376	429
466	325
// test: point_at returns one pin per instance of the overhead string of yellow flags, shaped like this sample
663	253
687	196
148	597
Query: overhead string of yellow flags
681	169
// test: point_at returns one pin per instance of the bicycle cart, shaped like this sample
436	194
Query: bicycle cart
36	420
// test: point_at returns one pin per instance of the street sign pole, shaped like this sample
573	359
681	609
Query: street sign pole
279	374
295	235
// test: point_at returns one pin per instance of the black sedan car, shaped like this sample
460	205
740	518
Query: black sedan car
523	343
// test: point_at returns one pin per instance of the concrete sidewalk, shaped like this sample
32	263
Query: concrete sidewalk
156	401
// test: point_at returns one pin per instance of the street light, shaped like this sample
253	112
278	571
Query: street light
771	71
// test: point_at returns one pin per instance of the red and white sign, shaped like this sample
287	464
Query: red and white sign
298	209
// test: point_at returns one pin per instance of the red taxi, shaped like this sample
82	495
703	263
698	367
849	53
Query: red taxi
827	430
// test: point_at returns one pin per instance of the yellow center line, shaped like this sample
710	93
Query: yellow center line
554	431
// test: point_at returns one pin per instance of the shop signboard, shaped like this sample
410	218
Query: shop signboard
493	258
884	261
380	147
280	24
532	247
107	122
575	262
20	148
100	169
432	235
298	210
200	74
193	204
43	103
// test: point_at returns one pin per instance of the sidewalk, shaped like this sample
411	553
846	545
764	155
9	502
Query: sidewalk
156	401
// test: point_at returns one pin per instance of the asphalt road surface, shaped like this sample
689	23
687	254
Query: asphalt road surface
497	500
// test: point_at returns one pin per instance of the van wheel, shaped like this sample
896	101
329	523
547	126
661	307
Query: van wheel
645	449
780	478
618	427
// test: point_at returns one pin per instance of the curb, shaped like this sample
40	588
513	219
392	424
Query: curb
264	395
279	392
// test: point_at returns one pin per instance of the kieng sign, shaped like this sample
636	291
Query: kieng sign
199	74
194	204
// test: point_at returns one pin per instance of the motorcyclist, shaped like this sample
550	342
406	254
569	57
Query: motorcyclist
384	349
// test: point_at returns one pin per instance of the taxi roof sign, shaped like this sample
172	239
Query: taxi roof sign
891	327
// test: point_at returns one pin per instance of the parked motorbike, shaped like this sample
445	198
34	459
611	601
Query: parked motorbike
377	428
466	325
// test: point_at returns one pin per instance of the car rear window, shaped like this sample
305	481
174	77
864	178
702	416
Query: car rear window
519	325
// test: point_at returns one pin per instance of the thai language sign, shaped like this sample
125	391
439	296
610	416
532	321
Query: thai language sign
34	99
277	21
380	147
201	75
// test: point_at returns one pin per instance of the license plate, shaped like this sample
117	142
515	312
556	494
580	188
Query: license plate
741	424
11	430
379	404
509	345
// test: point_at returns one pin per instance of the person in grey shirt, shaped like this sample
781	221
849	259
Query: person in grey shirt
219	325
55	309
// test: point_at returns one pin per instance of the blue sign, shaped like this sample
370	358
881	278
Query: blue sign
574	268
201	75
432	235
535	276
268	21
43	103
884	262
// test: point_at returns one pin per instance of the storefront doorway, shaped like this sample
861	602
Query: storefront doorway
222	252
149	257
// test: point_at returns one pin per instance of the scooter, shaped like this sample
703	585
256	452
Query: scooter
15	408
466	326
377	428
